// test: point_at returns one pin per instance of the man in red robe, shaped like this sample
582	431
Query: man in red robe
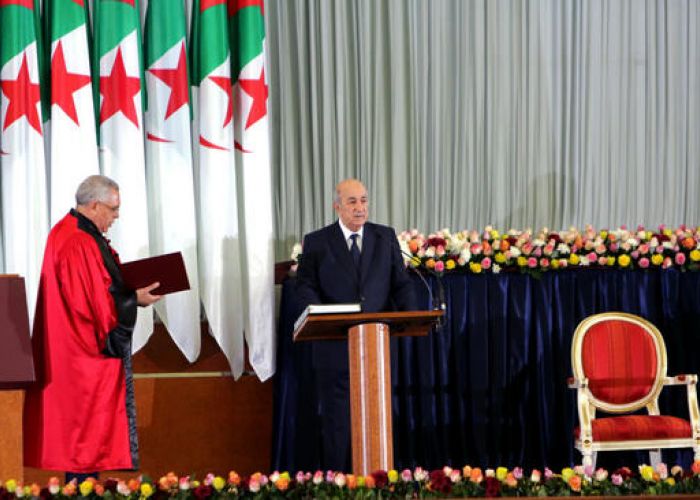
80	416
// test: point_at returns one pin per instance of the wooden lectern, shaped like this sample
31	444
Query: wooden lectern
16	372
370	374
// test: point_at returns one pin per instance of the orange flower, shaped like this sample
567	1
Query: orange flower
688	243
234	478
430	264
504	245
476	475
134	484
413	246
35	490
369	481
99	489
351	481
466	471
282	483
575	483
510	480
695	467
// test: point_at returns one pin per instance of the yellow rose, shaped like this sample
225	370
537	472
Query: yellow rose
475	267
624	260
670	481
657	259
501	473
522	261
647	472
11	485
567	473
574	259
500	258
554	264
146	490
603	234
415	261
695	255
667	232
360	481
450	264
611	260
494	234
393	476
648	235
85	488
218	483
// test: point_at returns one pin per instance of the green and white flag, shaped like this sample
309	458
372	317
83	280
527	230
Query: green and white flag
121	151
169	166
247	35
216	176
71	128
23	178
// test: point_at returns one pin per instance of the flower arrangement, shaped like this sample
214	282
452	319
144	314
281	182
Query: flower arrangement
417	483
526	251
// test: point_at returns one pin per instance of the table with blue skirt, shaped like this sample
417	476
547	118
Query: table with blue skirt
488	387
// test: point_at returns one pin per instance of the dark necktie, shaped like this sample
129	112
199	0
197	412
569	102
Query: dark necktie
355	250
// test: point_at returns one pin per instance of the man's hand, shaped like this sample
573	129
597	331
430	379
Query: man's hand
144	296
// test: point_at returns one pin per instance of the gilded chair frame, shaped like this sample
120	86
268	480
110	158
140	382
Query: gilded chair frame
588	404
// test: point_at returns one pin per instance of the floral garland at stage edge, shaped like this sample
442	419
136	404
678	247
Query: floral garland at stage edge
526	251
419	483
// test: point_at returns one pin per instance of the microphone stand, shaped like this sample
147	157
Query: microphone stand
440	304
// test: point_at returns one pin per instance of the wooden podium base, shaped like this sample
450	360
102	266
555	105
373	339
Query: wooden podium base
11	466
370	398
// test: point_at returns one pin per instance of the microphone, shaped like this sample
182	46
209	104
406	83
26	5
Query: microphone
440	304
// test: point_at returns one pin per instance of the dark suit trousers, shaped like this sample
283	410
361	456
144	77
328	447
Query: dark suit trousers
333	390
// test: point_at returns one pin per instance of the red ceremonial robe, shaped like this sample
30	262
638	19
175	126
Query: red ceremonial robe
80	416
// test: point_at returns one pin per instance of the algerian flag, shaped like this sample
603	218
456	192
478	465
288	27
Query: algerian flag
169	165
71	129
24	205
215	168
121	152
247	32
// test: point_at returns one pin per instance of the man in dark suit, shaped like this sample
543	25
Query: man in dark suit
351	260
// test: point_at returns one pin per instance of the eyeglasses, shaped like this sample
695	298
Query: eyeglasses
113	208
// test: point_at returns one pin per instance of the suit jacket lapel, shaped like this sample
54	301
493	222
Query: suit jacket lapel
340	249
369	239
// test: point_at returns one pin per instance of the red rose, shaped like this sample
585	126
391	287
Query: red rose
493	487
440	482
381	478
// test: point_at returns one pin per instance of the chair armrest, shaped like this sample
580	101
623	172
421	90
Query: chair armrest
573	383
685	379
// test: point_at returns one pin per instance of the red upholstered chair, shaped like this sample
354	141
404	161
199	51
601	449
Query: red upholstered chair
619	365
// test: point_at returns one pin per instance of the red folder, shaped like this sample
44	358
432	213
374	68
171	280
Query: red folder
168	269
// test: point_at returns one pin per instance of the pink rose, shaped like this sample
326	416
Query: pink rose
532	262
643	262
537	252
644	248
602	261
544	262
439	266
616	479
635	254
680	258
486	263
592	257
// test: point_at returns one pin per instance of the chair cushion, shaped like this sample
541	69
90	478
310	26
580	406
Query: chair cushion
619	359
638	427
